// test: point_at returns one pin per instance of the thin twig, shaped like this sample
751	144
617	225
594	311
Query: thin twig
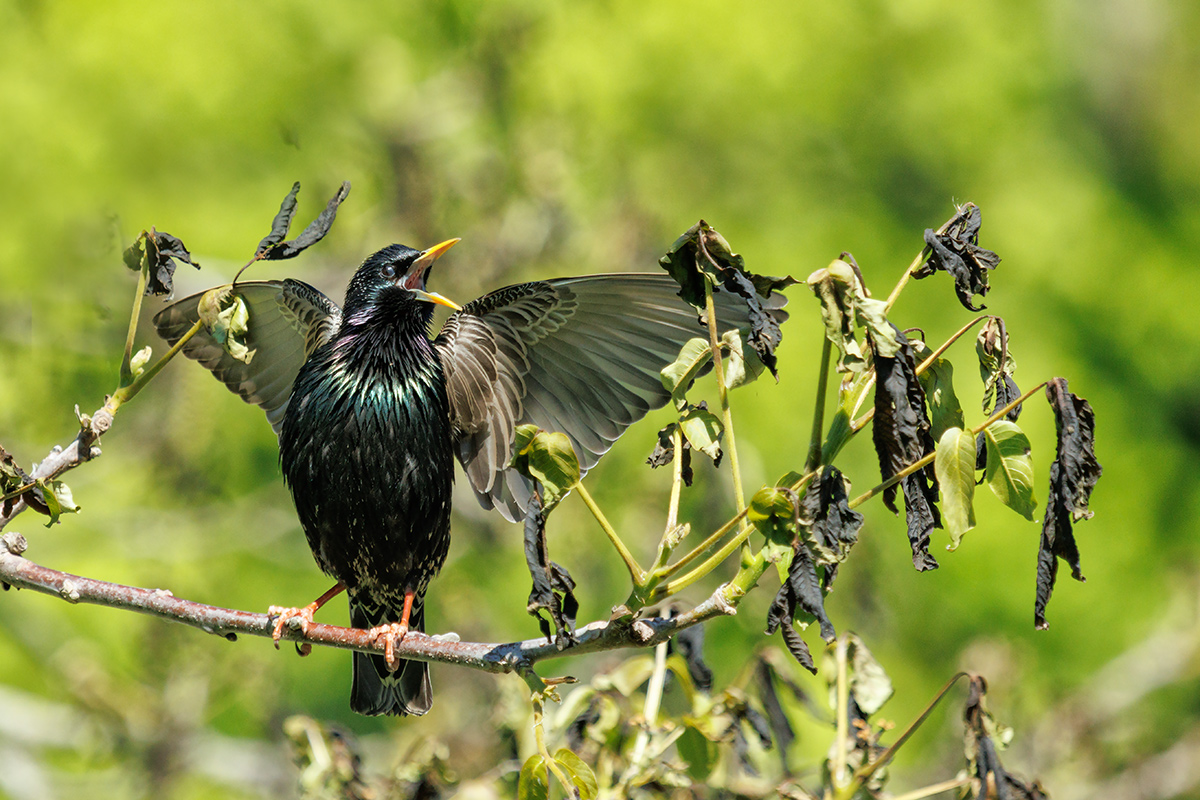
520	656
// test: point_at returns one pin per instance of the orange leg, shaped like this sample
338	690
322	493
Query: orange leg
394	632
305	615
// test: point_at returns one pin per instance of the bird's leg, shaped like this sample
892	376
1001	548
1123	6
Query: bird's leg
305	615
394	632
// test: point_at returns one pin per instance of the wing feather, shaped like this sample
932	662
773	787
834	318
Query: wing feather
577	355
287	321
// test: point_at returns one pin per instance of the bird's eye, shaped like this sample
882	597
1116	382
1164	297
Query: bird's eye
388	271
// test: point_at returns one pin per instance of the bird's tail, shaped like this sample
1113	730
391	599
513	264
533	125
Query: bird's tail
377	690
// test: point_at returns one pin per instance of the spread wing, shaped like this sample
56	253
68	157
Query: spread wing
288	320
577	355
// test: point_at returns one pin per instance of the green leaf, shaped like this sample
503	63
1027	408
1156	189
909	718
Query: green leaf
744	366
580	773
547	458
1009	469
699	753
702	429
677	376
945	412
774	514
534	780
57	498
955	467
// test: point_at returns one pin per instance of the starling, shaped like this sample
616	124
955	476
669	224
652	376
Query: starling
371	413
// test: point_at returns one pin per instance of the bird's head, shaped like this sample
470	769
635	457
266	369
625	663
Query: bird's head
395	276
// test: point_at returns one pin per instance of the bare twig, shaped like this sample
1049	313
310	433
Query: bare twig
489	657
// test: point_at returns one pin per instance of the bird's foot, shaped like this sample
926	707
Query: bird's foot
303	617
393	633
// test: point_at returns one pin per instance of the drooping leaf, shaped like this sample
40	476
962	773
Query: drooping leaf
553	588
271	248
533	783
1009	470
548	458
743	366
829	521
158	252
664	453
227	318
703	430
701	255
955	466
984	738
957	252
996	367
937	381
801	594
845	305
694	356
901	433
581	775
283	220
1073	475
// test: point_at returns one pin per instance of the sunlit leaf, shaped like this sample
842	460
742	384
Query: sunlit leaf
1009	470
677	376
548	458
955	466
579	772
937	381
533	783
225	313
702	429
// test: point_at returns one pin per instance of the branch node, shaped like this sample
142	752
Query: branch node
642	631
69	591
93	452
163	593
15	543
721	602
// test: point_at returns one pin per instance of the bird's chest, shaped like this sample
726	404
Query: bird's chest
366	450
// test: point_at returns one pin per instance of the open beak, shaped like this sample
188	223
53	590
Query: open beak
422	264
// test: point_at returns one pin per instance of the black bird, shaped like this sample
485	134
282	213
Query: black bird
371	412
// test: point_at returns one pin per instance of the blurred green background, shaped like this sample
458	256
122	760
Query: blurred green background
562	139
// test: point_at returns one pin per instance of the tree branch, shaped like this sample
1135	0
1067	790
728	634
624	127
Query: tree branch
60	459
15	570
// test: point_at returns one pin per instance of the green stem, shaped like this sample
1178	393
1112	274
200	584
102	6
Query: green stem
540	736
723	392
665	545
635	572
814	447
143	276
927	459
127	391
866	771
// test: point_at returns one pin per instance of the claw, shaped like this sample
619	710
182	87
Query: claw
304	615
393	633
286	615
